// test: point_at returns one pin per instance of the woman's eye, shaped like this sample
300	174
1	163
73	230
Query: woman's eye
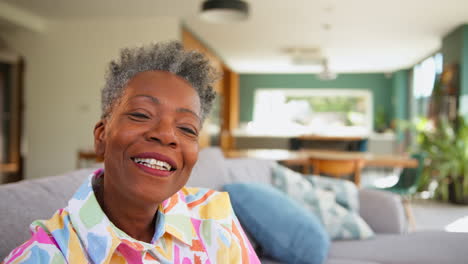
138	116
189	130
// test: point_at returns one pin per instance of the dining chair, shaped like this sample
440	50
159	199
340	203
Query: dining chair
336	168
407	185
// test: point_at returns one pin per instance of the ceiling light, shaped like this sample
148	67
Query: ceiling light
224	10
326	74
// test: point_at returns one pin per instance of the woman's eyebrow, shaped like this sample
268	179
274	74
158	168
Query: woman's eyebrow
153	99
156	101
185	110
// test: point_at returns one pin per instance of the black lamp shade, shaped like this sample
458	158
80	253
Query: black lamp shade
224	10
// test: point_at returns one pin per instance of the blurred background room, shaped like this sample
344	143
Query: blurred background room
362	79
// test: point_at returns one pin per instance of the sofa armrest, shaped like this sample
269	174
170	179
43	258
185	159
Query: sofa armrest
383	211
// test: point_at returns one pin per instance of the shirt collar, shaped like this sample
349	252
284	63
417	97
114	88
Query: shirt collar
99	235
177	218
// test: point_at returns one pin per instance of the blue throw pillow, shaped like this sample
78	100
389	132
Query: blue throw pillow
284	230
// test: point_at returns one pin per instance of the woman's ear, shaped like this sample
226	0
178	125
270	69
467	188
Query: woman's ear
100	139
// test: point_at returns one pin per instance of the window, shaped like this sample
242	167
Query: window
424	75
291	112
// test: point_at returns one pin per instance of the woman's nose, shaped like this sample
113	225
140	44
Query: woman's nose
163	132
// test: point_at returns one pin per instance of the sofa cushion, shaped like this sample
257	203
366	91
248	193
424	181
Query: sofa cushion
283	229
349	261
328	261
338	212
429	247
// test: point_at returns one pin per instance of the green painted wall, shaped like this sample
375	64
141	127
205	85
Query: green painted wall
452	45
380	86
400	103
464	61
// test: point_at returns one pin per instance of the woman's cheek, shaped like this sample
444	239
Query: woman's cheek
193	155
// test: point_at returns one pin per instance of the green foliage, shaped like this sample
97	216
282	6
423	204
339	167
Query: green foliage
380	119
446	147
346	106
342	104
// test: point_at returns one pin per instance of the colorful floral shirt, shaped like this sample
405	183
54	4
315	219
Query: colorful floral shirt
194	226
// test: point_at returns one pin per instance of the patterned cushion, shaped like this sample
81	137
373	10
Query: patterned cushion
345	191
334	201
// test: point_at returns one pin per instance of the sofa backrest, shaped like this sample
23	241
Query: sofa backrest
23	202
213	170
29	200
249	170
210	170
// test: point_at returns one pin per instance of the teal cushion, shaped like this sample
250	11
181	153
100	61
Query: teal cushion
282	228
334	201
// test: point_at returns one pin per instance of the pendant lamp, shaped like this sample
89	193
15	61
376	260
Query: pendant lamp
224	11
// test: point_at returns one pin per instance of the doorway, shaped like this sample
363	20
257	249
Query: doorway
11	118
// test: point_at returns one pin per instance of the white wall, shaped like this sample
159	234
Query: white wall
65	69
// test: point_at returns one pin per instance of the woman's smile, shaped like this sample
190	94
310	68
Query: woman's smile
155	164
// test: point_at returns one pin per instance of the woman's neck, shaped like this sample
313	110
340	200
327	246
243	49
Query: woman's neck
135	220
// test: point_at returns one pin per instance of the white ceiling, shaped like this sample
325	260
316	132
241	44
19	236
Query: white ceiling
365	35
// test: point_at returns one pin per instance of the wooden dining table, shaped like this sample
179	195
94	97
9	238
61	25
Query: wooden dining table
300	157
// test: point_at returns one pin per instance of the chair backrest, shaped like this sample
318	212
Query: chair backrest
338	168
410	177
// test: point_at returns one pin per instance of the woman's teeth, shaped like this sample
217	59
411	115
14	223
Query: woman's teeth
153	163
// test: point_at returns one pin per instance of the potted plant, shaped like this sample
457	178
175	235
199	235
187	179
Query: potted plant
380	120
446	149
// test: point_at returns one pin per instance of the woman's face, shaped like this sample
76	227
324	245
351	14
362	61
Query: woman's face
150	141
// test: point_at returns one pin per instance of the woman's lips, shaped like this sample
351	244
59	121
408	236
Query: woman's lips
156	156
155	172
150	168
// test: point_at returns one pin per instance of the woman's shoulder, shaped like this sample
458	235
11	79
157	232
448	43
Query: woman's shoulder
48	237
42	247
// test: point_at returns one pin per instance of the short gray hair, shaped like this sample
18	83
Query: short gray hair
192	66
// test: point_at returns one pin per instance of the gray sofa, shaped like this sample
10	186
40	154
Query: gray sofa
23	202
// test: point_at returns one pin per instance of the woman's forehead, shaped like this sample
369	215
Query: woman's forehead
157	78
162	88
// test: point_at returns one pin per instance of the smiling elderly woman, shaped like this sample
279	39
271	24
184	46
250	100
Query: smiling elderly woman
138	210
